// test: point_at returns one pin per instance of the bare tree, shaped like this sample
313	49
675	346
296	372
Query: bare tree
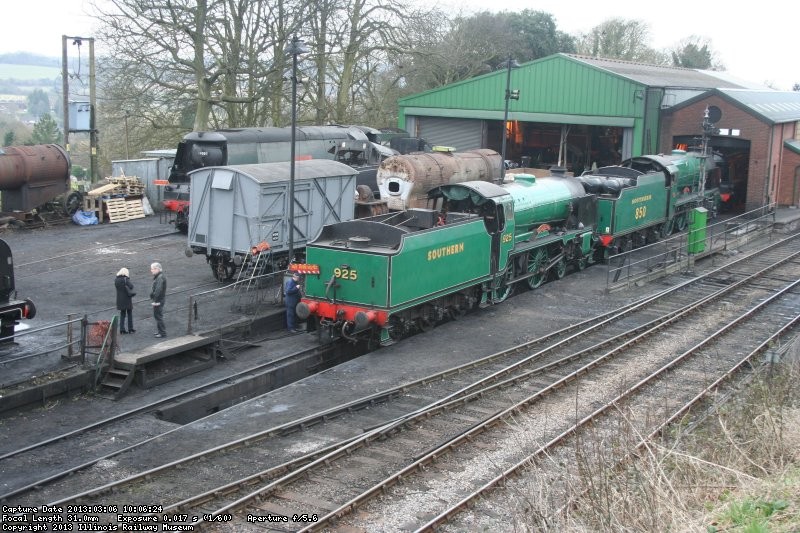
351	41
449	50
221	59
617	38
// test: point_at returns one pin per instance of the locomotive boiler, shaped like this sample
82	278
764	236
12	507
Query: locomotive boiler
404	180
32	176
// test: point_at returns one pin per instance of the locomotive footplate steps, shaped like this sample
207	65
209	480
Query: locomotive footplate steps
171	359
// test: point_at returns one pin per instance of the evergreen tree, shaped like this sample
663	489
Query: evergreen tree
38	103
8	138
46	131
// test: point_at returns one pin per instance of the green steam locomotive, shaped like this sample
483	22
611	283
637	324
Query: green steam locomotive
384	277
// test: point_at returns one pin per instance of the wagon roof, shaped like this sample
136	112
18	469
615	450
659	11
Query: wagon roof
280	171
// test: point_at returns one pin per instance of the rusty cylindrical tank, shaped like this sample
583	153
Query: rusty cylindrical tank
404	180
32	175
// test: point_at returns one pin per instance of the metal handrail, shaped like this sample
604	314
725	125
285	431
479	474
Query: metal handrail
193	298
677	246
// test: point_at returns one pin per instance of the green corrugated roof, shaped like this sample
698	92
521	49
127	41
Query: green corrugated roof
556	85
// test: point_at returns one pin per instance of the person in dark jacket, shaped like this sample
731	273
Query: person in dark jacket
125	296
292	298
158	297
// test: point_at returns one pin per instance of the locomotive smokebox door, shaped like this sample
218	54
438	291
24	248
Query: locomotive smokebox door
697	230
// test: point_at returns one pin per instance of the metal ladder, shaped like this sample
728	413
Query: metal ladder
256	262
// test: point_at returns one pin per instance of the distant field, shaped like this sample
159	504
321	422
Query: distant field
28	72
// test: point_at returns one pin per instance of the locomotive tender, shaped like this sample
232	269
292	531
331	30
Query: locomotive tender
384	277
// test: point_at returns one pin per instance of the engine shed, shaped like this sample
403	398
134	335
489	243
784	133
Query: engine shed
581	113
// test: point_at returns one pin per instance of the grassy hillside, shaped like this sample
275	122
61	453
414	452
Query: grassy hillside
28	72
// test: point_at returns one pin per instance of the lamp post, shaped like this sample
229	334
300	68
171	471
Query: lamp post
295	48
510	95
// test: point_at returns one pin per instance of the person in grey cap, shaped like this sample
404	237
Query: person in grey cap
157	298
292	294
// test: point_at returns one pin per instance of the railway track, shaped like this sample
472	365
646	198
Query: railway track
77	258
99	435
402	431
645	409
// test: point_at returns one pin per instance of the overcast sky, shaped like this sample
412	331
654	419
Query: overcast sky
756	42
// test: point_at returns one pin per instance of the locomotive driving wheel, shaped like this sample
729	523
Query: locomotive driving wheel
560	268
668	228
536	260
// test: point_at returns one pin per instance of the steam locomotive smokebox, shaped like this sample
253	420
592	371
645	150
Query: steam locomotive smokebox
31	176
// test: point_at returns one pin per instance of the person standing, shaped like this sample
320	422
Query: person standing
292	298
125	296
157	298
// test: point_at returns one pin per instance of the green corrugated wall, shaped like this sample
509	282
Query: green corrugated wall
557	89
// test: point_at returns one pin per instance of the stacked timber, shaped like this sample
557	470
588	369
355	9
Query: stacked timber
118	199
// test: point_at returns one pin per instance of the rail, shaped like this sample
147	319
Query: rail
672	255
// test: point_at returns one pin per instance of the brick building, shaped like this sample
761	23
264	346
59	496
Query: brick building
758	134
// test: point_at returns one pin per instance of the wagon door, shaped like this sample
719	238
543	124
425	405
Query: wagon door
221	200
303	209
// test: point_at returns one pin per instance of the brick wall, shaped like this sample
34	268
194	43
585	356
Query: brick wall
688	120
789	191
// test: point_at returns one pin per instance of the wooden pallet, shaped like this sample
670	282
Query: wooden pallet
134	208
117	209
95	204
129	185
